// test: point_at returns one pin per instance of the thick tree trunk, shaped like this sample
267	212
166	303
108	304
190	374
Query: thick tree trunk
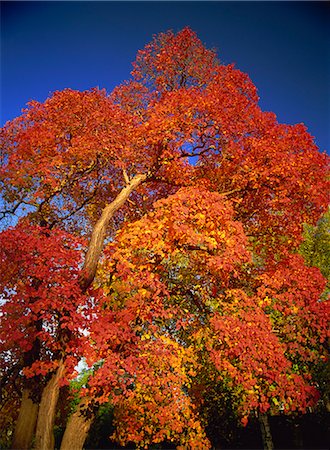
77	429
266	432
26	422
99	231
28	413
47	410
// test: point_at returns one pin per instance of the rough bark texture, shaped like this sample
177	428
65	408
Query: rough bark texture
46	417
266	432
77	429
26	422
97	239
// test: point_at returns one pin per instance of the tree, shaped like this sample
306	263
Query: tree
90	164
39	330
315	249
316	245
260	328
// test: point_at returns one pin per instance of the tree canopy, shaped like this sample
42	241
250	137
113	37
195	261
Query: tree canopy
154	232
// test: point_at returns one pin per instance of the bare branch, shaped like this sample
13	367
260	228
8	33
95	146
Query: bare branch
126	177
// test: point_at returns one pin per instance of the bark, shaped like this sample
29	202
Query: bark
99	231
26	422
77	428
28	413
266	432
47	410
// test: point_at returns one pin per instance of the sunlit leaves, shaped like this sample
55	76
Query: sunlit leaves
42	305
198	284
172	61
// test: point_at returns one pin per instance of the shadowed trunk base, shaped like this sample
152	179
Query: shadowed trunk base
266	432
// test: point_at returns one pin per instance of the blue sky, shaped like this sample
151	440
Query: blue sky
283	46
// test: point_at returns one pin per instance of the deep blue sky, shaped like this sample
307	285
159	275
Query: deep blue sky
283	46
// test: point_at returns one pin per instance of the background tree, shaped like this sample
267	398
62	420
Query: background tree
316	246
316	251
39	329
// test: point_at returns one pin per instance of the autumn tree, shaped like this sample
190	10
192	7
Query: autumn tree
39	331
315	247
92	164
255	330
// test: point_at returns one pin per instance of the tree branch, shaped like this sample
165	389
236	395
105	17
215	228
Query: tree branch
99	231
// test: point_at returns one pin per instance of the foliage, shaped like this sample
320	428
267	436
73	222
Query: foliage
9	407
316	245
43	309
315	250
199	283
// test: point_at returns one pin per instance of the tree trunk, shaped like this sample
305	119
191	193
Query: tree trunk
99	231
47	410
26	422
77	429
297	434
28	413
265	432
